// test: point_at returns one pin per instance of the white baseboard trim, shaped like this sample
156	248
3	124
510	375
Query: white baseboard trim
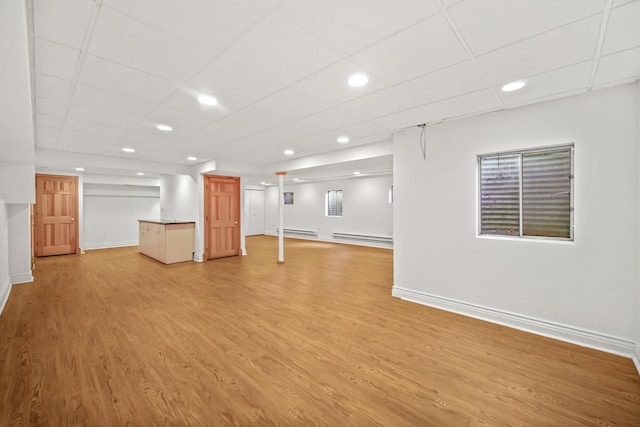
339	242
198	257
573	335
5	290
21	278
107	245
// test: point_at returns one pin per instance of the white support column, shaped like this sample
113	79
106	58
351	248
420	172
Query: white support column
281	216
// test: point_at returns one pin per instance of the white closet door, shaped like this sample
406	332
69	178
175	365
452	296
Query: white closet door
254	211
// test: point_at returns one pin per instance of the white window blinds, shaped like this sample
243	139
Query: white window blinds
527	193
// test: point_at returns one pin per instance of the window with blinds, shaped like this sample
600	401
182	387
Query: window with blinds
527	193
334	203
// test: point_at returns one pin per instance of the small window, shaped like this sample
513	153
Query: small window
334	203
527	193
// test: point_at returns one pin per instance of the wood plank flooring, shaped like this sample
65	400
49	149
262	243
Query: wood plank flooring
114	338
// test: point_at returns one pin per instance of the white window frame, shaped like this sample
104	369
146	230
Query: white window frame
479	157
326	203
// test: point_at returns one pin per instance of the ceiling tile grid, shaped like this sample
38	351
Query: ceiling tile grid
107	72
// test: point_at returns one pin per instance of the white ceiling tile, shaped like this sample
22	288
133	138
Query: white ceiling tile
186	100
472	103
78	135
182	122
559	48
52	87
102	131
207	25
284	133
334	118
51	107
56	60
623	28
233	82
244	123
114	77
291	103
46	141
46	120
619	66
356	133
381	103
200	139
101	117
106	100
127	41
349	26
489	24
330	85
401	58
63	21
617	3
281	50
49	132
551	83
449	82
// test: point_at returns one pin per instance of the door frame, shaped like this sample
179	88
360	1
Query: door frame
207	209
34	212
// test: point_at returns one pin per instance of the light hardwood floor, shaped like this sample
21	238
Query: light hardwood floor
115	338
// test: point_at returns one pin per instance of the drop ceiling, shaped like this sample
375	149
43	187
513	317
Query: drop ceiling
107	72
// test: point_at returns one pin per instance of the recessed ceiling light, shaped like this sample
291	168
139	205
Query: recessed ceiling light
510	87
356	173
296	179
207	100
289	152
343	139
192	158
264	183
140	173
80	169
164	128
358	80
128	150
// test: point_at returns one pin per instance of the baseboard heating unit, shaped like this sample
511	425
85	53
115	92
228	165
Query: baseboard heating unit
299	231
369	238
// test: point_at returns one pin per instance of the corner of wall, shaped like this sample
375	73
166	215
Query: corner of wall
26	277
636	357
5	290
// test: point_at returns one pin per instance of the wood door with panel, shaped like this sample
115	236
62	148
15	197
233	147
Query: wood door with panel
222	216
56	210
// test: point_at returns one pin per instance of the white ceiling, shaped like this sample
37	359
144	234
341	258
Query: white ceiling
106	72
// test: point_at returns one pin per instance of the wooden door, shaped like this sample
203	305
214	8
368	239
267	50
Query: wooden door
222	216
56	210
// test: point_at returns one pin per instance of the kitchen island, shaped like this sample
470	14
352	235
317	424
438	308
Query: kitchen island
168	241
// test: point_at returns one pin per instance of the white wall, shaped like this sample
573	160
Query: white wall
178	197
111	213
19	227
5	282
584	291
637	352
365	210
17	142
